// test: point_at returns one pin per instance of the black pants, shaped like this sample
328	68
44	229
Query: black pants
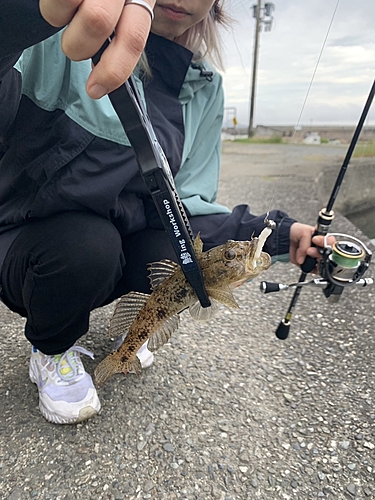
62	267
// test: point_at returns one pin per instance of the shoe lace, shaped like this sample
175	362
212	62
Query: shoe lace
68	365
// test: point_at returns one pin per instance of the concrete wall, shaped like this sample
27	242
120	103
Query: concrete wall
357	192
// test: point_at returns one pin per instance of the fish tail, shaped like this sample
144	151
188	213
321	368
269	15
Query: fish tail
106	368
112	364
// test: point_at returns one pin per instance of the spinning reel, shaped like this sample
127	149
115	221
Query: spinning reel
343	264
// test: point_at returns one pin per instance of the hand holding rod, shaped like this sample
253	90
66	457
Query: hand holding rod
325	218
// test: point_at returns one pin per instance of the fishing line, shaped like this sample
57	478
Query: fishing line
233	22
304	102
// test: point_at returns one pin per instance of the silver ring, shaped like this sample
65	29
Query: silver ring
143	4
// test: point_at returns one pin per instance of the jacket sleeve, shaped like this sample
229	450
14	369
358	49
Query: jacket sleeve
21	25
241	224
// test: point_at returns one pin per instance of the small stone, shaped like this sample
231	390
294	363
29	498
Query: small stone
243	469
271	481
150	429
16	495
141	445
148	486
368	445
351	489
168	447
344	445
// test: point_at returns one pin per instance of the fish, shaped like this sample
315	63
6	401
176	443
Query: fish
155	317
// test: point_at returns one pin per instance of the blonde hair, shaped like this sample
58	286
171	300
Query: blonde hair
203	39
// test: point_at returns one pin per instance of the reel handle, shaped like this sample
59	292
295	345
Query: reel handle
269	287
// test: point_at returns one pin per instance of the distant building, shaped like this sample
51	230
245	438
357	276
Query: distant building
311	138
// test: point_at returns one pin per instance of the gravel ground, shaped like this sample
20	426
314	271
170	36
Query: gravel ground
227	411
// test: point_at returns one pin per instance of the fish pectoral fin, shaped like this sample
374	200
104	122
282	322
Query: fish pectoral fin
125	313
160	271
163	334
200	313
224	296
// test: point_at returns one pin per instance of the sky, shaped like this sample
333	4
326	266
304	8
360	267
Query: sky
288	57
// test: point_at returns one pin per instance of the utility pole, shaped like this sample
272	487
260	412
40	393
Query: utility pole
266	19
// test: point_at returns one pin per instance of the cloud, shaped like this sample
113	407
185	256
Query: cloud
288	58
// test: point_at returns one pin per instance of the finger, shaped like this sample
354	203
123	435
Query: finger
93	22
123	53
303	245
292	254
318	240
58	12
313	252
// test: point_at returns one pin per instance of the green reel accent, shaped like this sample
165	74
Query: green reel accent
347	254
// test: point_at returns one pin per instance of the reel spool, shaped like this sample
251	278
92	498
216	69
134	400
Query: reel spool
346	261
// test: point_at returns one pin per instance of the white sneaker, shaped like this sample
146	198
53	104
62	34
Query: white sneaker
145	356
66	392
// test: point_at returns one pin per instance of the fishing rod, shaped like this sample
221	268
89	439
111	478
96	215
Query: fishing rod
344	262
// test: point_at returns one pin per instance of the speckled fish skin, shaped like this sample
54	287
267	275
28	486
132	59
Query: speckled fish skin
224	268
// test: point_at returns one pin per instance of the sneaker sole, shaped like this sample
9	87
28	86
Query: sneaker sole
84	414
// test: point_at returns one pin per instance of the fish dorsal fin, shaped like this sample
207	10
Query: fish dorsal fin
161	336
125	312
224	296
160	271
198	244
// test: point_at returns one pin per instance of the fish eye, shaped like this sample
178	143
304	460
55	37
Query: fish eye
230	254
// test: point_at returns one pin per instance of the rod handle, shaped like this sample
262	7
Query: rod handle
282	330
309	264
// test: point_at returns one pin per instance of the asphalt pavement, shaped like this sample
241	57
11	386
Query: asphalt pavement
227	411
